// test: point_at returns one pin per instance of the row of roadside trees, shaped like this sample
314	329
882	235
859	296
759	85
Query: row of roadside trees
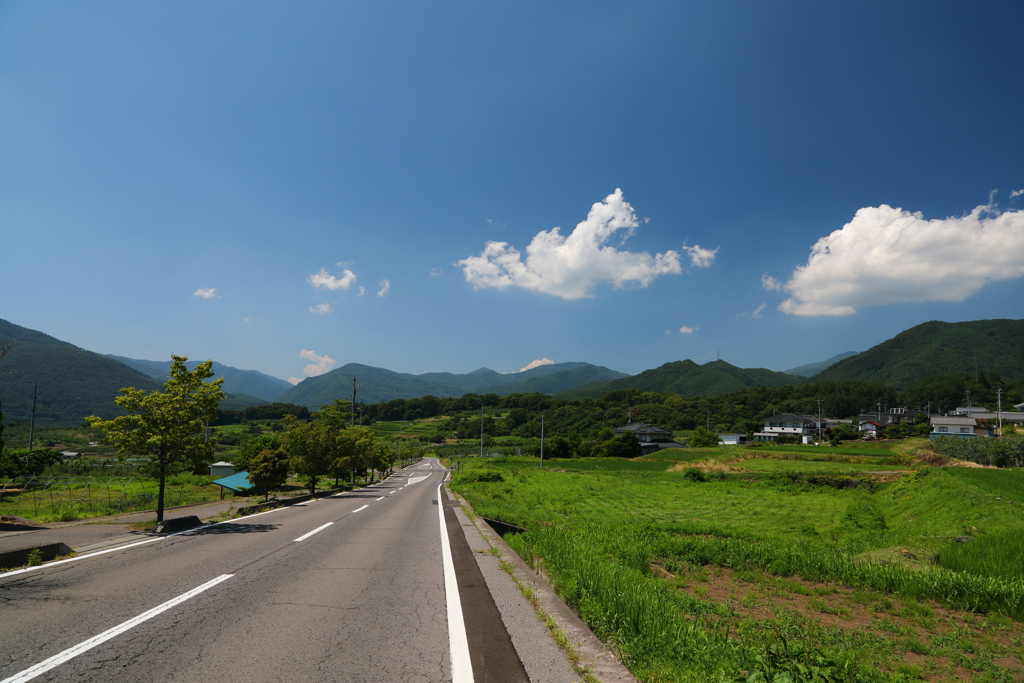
170	429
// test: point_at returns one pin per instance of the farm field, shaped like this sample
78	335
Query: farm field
780	566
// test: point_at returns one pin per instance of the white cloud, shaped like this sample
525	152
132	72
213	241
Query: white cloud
536	364
886	255
325	279
570	266
320	309
1016	193
770	283
436	272
319	366
205	293
362	291
385	287
700	257
756	313
686	329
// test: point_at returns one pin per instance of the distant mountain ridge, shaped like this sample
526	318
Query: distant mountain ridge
70	382
73	383
379	384
248	382
938	348
686	378
812	369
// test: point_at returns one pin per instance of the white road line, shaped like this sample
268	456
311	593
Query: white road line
55	661
303	537
381	498
462	667
362	508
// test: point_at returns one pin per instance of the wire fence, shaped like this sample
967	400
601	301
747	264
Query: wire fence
50	499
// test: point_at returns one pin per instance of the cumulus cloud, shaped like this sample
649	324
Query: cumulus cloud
328	281
320	309
569	266
385	287
686	329
205	293
700	257
887	255
319	366
536	364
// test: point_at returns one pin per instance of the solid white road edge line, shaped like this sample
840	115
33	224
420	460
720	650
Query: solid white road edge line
462	667
55	661
303	537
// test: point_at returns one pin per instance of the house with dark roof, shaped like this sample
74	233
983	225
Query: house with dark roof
651	438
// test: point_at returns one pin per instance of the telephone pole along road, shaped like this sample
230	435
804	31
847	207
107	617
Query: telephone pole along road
351	587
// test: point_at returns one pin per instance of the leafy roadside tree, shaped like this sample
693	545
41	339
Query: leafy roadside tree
166	426
269	470
252	446
308	450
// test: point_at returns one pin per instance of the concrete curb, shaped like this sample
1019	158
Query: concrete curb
592	652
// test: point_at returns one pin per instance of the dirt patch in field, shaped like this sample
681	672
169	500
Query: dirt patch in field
921	639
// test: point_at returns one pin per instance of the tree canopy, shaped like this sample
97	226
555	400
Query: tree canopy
167	426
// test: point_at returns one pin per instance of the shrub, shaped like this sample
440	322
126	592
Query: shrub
694	475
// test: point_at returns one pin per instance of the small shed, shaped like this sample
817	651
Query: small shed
221	469
237	483
733	439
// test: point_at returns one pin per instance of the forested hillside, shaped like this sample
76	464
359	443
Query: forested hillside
378	384
688	379
992	347
241	383
71	383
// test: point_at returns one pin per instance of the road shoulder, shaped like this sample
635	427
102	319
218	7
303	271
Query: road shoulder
544	660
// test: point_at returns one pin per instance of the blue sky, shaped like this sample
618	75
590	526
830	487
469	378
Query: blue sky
290	187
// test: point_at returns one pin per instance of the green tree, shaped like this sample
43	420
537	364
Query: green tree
308	451
269	470
166	426
626	445
703	438
252	446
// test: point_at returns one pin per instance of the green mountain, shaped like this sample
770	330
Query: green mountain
251	383
812	369
70	382
377	384
938	348
686	378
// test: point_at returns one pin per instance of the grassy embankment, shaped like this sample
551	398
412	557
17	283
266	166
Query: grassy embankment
772	565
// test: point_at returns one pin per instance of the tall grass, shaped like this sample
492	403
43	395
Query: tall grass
999	555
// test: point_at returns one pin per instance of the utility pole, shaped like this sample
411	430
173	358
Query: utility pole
32	422
481	430
999	409
352	406
819	420
542	439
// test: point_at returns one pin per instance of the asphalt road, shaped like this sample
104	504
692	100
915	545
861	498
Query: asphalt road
346	588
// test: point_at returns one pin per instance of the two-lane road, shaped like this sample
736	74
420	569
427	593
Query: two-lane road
346	588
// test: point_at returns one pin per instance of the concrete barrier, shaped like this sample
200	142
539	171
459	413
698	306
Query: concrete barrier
20	557
173	526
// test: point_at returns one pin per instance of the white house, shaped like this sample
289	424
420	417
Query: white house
959	426
804	427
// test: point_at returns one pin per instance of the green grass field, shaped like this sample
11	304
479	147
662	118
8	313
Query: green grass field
775	568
